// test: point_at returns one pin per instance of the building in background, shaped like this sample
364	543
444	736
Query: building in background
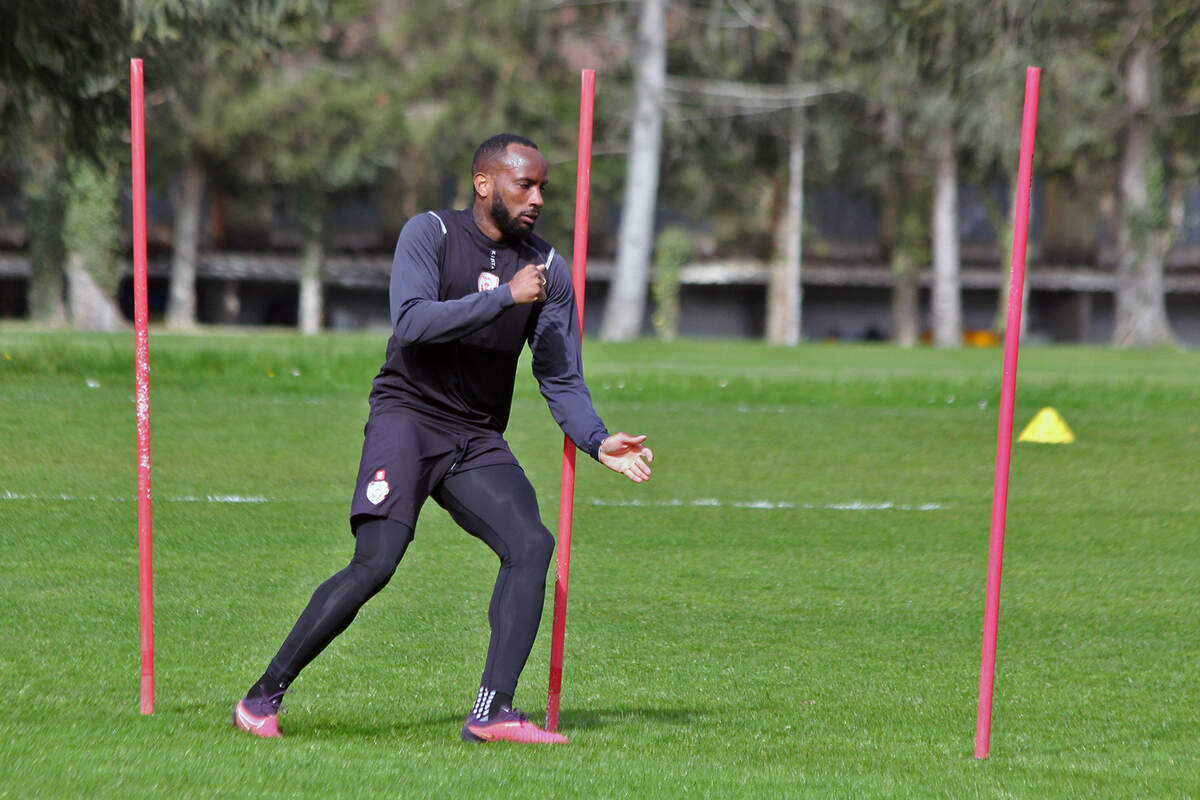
248	270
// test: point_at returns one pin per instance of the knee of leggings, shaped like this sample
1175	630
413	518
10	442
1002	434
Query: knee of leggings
375	572
535	549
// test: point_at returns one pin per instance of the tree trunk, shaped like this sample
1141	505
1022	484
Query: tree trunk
46	287
46	203
1142	233
672	249
905	214
311	302
947	300
188	198
625	307
785	291
906	328
91	233
906	307
92	307
906	230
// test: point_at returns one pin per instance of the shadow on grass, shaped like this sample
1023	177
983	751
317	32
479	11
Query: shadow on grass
329	726
602	718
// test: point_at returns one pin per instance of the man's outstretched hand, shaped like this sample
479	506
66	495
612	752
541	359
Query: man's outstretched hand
626	454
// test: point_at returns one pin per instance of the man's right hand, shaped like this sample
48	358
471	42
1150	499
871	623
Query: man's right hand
529	284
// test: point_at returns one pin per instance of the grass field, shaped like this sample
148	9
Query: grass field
791	607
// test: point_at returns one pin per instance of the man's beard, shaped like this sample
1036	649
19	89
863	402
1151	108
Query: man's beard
509	226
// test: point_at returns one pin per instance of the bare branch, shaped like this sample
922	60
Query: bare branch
762	96
748	15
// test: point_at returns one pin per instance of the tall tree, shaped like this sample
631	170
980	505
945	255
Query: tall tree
58	98
904	226
625	308
1149	182
889	162
993	81
805	37
946	302
320	120
809	37
1129	136
45	195
493	66
91	234
785	292
938	50
886	73
920	49
743	111
202	53
400	89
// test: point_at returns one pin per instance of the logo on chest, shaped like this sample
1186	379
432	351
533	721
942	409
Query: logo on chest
488	281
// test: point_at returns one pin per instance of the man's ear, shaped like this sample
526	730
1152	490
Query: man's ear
483	184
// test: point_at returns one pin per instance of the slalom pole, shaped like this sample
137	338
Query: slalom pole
566	505
1012	343
142	371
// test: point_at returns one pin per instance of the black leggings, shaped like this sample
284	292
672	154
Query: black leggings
496	504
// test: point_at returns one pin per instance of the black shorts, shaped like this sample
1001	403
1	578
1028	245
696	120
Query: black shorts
405	456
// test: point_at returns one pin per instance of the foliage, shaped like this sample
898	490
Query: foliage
61	107
58	54
318	117
725	159
488	67
309	98
672	248
201	56
91	224
45	192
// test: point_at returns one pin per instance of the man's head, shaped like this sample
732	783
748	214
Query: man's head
509	174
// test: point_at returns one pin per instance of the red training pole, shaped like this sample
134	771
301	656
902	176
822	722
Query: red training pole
1012	343
566	504
142	370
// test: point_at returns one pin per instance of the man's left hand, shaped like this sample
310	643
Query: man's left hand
627	455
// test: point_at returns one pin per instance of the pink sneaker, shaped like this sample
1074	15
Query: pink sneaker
508	725
259	716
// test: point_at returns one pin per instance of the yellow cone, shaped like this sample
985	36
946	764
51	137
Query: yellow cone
1047	427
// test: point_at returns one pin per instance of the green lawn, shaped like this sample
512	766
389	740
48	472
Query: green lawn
791	607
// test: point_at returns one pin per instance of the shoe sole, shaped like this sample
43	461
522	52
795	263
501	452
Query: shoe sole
484	735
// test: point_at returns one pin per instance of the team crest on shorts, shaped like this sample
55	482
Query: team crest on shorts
378	488
488	281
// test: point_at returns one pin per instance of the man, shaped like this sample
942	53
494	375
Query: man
468	290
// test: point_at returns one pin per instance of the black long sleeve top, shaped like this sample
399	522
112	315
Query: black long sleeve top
458	335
